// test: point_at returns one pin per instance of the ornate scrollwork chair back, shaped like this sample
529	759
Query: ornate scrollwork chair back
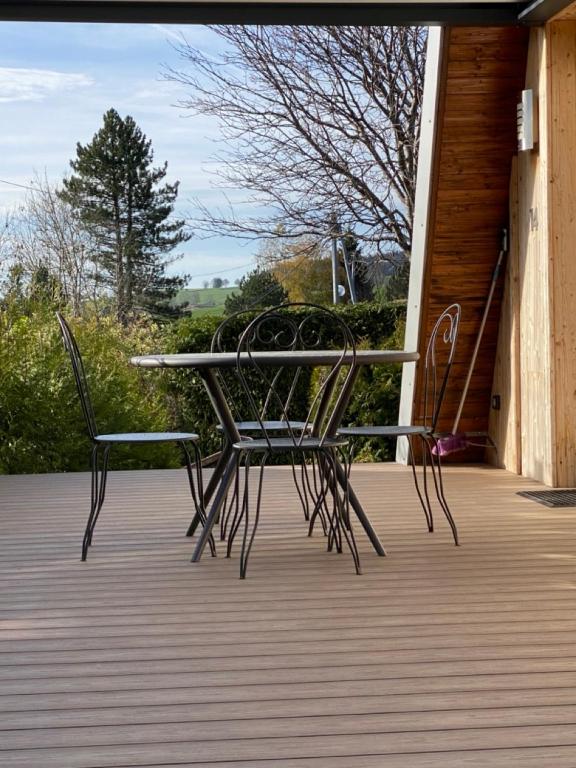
282	331
440	353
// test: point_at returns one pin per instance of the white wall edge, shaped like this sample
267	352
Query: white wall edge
420	227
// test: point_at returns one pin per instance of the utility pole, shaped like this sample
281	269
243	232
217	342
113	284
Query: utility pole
350	271
338	240
334	237
335	294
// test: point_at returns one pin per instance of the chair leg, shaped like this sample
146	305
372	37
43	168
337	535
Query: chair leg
334	531
93	500
102	490
192	527
320	507
321	488
197	488
302	495
219	465
228	505
343	522
317	492
197	518
436	465
425	460
240	504
424	500
248	539
98	493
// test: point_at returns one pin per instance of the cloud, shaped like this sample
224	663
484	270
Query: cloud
37	84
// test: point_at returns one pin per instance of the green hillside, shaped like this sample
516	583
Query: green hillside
204	301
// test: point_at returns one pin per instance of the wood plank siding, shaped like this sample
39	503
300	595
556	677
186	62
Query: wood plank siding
436	657
538	324
483	74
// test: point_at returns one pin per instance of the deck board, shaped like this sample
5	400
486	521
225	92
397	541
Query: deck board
435	656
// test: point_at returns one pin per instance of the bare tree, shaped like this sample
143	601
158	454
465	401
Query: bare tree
319	124
5	242
44	233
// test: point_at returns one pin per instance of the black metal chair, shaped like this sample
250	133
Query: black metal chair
226	339
438	362
283	329
102	444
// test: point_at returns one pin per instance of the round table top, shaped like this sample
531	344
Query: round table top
201	360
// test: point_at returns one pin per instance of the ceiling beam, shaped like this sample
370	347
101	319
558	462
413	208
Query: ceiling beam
469	14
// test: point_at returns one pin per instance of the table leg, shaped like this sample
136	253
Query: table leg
212	516
223	472
334	424
212	484
357	507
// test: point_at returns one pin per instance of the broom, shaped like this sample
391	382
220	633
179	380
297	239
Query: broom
459	441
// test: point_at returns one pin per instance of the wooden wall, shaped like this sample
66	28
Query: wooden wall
483	75
524	339
533	287
543	283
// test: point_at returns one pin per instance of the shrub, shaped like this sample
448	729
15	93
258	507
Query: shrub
376	401
41	424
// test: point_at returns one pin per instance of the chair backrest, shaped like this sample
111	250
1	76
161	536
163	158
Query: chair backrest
227	335
289	329
225	339
439	358
79	375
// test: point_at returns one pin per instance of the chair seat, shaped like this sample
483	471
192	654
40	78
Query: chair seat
385	431
272	426
282	444
147	437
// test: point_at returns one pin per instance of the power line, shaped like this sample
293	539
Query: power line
14	184
222	271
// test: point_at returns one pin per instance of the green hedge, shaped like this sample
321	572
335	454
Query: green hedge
41	425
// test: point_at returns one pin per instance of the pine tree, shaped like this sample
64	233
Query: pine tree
115	191
258	289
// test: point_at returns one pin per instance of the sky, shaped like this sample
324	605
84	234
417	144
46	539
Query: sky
56	82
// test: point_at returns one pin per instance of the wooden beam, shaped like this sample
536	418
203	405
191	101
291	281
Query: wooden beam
424	207
185	12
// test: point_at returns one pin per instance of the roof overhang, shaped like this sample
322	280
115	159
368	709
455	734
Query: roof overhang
450	12
367	12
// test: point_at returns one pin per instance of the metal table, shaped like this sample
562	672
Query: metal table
205	364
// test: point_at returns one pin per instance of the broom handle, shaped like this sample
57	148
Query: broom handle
495	274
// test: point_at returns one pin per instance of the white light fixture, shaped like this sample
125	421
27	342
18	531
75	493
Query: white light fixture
526	122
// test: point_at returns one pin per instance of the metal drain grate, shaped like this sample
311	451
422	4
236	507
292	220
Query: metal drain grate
562	498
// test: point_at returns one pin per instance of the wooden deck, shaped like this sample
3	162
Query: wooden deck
437	657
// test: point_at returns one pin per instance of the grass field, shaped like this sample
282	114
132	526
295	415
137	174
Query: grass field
204	301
